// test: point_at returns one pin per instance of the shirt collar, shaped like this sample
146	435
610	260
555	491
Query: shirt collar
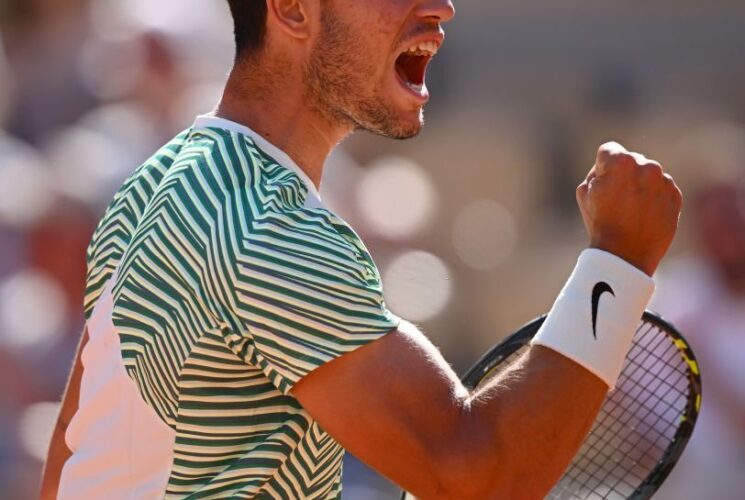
212	121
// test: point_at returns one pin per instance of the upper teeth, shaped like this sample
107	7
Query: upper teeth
424	49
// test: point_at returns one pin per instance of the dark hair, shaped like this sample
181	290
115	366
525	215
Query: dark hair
249	21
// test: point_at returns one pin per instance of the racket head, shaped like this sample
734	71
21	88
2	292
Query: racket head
660	384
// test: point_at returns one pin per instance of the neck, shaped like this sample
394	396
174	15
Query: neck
273	102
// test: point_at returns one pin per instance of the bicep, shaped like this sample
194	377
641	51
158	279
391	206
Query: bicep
397	405
391	403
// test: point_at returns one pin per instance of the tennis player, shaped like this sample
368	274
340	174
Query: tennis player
237	340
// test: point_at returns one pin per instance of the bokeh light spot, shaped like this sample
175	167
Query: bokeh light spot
417	285
484	234
36	426
32	309
396	197
25	191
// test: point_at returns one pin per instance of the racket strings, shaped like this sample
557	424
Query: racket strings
636	423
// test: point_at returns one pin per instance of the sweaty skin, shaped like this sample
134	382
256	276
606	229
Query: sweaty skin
327	69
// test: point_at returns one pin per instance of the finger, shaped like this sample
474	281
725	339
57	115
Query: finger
591	174
581	194
643	161
639	158
651	171
608	154
675	191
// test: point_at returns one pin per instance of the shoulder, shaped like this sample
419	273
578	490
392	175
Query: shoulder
312	237
121	218
307	256
131	199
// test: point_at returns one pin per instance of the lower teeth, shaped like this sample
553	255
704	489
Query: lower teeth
417	87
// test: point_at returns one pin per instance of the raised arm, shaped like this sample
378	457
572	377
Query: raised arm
397	405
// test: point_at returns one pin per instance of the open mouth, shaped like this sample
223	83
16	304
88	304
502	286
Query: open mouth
411	65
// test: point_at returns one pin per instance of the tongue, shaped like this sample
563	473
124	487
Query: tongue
412	68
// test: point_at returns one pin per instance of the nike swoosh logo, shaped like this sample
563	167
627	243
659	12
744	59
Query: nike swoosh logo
599	289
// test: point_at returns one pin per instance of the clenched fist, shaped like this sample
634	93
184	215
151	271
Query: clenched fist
630	206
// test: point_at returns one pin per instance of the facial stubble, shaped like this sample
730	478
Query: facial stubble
338	76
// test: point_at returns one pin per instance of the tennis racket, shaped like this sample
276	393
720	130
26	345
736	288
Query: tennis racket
643	425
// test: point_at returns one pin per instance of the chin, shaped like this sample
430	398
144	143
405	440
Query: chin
408	131
397	125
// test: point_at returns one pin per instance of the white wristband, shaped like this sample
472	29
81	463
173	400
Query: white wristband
594	319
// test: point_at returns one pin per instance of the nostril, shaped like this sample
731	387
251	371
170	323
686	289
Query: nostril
440	10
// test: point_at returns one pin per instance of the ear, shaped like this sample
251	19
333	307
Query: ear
293	17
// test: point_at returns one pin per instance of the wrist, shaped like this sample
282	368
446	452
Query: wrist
597	312
640	260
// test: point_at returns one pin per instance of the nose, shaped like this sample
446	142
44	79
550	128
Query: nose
441	11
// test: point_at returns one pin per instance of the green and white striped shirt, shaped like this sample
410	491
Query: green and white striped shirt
231	282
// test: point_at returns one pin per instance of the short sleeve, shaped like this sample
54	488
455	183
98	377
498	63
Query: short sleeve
299	291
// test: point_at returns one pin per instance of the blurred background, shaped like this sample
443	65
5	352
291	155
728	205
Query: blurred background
473	224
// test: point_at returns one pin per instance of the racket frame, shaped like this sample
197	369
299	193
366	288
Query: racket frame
662	469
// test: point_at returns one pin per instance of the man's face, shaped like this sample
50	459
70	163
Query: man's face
368	65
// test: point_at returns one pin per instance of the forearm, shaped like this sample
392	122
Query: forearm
536	415
531	421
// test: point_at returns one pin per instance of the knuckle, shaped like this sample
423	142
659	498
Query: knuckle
673	191
652	169
610	146
608	151
678	196
603	157
619	160
628	159
672	186
651	162
624	159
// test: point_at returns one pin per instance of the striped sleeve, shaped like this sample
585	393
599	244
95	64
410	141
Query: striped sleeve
303	291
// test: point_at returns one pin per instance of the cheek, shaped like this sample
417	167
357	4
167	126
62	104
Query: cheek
380	24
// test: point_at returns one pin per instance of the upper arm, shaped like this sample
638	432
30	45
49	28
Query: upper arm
298	297
295	293
302	300
394	404
397	405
